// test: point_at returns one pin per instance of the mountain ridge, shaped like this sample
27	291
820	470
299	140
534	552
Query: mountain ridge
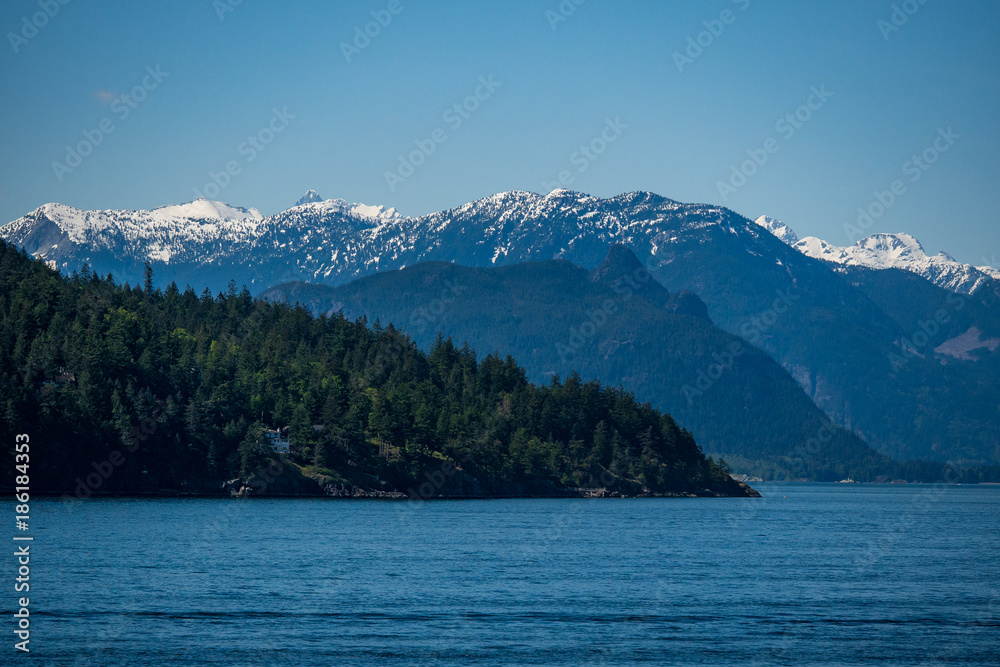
327	241
203	232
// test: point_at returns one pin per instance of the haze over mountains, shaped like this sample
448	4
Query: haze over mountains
915	381
617	325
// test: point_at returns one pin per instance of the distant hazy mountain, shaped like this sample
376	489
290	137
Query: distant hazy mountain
890	251
617	325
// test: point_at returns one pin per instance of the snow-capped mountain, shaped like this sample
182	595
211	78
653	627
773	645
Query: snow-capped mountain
197	231
889	251
332	241
202	238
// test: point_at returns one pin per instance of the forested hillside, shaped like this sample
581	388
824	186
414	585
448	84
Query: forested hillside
151	390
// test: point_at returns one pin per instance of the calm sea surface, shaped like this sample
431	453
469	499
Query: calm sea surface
810	574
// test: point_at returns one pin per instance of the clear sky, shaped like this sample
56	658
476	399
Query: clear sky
560	71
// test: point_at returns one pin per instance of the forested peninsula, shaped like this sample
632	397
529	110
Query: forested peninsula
135	390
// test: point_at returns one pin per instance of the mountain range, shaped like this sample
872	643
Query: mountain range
912	381
331	241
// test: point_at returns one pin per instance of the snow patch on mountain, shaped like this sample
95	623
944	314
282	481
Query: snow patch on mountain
72	221
204	209
314	204
991	271
191	232
778	228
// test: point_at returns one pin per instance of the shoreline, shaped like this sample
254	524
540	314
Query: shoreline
396	496
399	496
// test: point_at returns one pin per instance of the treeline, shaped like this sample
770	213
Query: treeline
138	389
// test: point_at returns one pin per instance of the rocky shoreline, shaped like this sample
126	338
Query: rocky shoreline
283	479
458	485
347	492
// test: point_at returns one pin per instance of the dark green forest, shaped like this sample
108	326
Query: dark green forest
145	390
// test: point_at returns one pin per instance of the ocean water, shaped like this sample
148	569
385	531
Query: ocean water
809	574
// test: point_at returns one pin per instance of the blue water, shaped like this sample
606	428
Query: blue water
810	574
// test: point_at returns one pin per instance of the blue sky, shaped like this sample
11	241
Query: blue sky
338	123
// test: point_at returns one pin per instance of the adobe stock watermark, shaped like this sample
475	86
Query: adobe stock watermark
223	7
363	35
797	468
257	484
86	486
926	331
786	127
122	107
429	485
30	25
754	328
751	330
914	169
248	149
900	16
587	153
706	378
867	557
453	117
437	479
625	287
697	44
807	451
426	315
562	12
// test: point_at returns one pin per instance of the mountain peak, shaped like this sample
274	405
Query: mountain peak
897	244
563	192
310	197
317	204
202	208
618	263
899	251
778	228
622	271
